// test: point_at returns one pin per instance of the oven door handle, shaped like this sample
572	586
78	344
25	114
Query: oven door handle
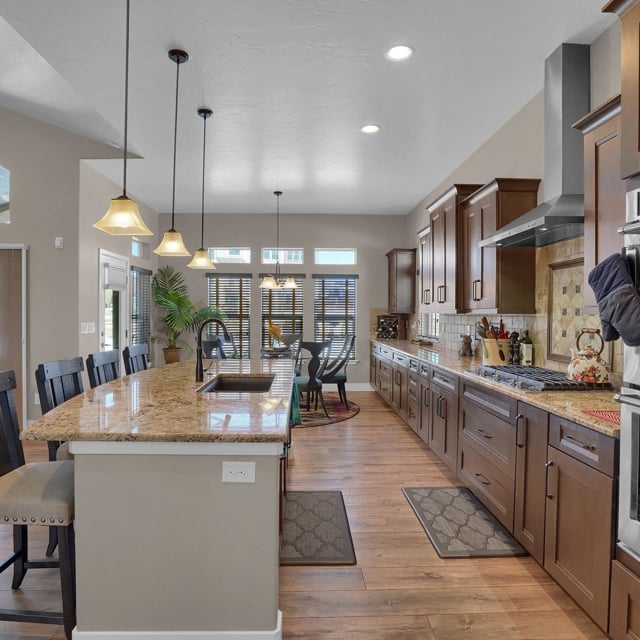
632	399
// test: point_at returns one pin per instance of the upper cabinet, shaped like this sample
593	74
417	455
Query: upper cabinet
604	190
425	271
629	13
444	214
402	280
497	280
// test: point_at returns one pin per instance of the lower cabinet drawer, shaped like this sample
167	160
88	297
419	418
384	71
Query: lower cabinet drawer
494	488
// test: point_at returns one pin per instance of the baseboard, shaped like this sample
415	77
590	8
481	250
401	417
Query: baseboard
271	634
359	386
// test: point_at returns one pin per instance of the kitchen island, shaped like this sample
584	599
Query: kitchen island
165	547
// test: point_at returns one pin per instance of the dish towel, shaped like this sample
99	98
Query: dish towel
617	298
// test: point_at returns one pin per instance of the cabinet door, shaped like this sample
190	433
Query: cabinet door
443	233
630	84
578	532
479	221
413	402
624	618
373	368
402	280
443	430
604	200
532	427
425	247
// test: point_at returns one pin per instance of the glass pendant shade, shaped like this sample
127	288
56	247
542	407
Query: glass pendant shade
172	245
201	260
269	282
123	219
290	283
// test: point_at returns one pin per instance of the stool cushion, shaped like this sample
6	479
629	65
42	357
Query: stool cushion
63	453
38	493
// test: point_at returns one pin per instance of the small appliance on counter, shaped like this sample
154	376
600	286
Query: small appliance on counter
392	326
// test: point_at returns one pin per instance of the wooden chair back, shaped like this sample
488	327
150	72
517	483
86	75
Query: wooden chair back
58	381
11	453
135	358
341	360
103	366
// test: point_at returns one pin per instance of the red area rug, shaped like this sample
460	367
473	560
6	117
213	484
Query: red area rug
337	412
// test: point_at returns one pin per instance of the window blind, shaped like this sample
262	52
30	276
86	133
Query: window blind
140	306
283	307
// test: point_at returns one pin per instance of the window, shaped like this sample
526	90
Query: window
287	256
140	306
140	249
230	255
283	307
429	325
5	177
336	256
334	308
231	293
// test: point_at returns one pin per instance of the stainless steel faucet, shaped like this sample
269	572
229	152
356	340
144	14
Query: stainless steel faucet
199	367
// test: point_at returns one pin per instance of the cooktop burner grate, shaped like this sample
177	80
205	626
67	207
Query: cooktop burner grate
536	378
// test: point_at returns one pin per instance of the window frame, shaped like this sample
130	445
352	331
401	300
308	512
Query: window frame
140	292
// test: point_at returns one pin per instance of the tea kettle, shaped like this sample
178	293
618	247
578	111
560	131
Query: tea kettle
587	365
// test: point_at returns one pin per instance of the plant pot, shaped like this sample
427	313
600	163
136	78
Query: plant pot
171	354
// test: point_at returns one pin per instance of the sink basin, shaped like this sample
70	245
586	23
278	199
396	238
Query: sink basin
254	382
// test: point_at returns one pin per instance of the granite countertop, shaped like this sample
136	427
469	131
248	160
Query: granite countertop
569	405
162	404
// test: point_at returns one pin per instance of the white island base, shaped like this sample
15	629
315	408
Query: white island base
165	549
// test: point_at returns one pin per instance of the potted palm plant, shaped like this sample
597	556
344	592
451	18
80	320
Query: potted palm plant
179	313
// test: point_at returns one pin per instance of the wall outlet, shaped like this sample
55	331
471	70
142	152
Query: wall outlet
238	471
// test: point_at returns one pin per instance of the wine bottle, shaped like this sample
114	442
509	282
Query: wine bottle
526	349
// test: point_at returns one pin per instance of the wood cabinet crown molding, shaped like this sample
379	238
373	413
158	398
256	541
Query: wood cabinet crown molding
503	184
619	7
599	115
460	190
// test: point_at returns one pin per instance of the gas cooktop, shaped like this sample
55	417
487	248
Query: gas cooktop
535	378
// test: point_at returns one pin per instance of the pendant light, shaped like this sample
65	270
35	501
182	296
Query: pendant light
201	258
270	281
172	243
123	217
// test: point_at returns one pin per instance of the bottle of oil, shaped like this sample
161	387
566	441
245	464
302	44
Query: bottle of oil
526	349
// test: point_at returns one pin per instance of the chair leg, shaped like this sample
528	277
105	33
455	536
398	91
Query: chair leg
67	552
53	541
342	392
20	551
319	393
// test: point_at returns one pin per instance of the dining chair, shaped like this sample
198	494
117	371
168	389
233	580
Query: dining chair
311	384
336	369
135	358
103	366
226	344
58	381
35	494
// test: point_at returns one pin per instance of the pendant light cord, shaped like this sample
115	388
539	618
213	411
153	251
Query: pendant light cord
204	150
126	101
175	149
277	194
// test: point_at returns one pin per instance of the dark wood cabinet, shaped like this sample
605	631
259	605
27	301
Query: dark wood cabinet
443	216
424	372
443	427
532	426
400	384
624	615
579	515
425	270
629	13
402	280
604	189
497	280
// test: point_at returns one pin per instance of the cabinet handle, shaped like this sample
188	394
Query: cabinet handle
482	479
425	296
575	441
474	293
425	397
442	298
443	404
521	432
548	465
438	404
485	434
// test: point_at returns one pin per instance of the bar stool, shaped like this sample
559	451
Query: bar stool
38	493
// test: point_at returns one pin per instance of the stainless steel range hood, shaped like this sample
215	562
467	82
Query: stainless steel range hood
566	100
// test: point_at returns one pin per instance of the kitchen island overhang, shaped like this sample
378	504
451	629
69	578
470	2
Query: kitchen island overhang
164	547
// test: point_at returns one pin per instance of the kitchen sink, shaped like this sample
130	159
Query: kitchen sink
255	382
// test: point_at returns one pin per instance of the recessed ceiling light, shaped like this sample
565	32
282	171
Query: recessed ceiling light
370	128
399	52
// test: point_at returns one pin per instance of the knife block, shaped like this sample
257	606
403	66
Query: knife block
491	351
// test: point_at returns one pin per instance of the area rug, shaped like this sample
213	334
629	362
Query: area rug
458	525
337	412
315	529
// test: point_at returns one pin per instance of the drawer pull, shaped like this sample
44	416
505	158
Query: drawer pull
521	434
548	465
485	434
482	479
575	441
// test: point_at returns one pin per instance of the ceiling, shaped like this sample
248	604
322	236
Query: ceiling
290	83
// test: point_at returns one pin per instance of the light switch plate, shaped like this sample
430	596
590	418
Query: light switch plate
238	471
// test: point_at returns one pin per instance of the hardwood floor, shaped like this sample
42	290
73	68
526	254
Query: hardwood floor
400	589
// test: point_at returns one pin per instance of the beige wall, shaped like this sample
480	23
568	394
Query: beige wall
605	65
372	236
